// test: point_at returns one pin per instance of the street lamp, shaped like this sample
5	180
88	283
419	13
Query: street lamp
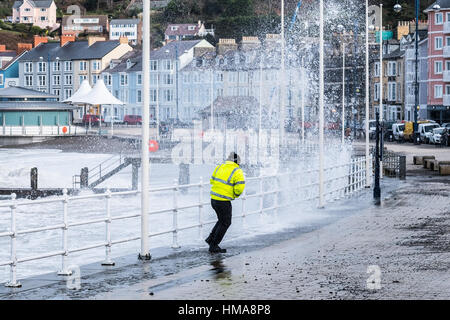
321	106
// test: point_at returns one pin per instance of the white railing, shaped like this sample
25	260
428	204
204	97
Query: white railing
284	190
446	52
446	27
40	130
446	100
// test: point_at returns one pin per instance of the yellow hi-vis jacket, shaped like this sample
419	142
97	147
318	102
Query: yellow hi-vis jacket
227	182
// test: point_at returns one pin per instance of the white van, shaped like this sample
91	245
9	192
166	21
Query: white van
397	130
426	131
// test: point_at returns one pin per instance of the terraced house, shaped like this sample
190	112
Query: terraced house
59	68
124	79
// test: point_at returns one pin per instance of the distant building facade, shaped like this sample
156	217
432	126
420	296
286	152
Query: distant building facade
87	24
176	32
41	13
130	28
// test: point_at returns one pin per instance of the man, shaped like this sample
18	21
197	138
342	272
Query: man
227	184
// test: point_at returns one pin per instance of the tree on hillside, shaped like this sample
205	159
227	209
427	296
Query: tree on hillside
236	8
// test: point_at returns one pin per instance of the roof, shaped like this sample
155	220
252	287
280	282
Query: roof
34	3
182	29
103	19
78	50
11	53
233	105
11	62
444	4
125	21
20	92
394	54
172	49
34	105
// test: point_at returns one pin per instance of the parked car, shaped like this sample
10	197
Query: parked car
132	119
112	119
436	135
93	119
446	125
397	131
426	130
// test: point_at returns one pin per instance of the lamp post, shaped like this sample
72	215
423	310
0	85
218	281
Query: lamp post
283	82
144	253
367	97
321	107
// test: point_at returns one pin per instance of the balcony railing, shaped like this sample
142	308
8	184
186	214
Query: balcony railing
446	100
446	75
446	27
446	53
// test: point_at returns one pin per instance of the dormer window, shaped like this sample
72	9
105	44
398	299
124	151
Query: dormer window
128	64
191	28
111	65
174	28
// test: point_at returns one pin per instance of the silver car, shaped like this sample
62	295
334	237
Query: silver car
436	135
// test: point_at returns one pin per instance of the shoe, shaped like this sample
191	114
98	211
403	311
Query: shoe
208	240
217	249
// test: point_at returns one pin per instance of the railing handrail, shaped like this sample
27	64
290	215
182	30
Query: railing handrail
352	180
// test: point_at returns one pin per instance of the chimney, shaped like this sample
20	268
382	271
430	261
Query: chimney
2	48
249	43
225	45
38	40
93	39
65	39
123	40
272	39
21	47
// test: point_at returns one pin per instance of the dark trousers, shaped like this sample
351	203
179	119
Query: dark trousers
223	211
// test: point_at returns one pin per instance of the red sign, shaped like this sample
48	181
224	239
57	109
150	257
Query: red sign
153	146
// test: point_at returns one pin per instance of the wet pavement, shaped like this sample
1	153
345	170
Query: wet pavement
402	246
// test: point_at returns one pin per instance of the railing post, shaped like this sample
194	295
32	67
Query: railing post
277	194
64	271
13	283
261	194
175	216
200	210
108	261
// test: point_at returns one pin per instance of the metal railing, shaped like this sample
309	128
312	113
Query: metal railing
40	130
272	193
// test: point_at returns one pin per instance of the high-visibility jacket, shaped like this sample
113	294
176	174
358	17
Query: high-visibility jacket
227	182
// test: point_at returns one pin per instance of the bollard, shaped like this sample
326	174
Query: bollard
402	167
183	176
34	178
84	178
134	175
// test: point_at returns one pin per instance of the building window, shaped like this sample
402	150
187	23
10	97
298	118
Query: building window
123	79
56	66
219	77
154	65
107	79
153	95
447	90
438	67
1	79
82	78
392	68
438	91
96	65
392	88
42	81
28	67
83	66
438	18
56	92
56	80
153	78
168	95
67	65
186	78
168	65
42	67
376	92
138	96
95	77
139	79
29	81
68	79
438	43
168	79
67	93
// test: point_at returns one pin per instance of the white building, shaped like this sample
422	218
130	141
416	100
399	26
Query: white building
130	28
